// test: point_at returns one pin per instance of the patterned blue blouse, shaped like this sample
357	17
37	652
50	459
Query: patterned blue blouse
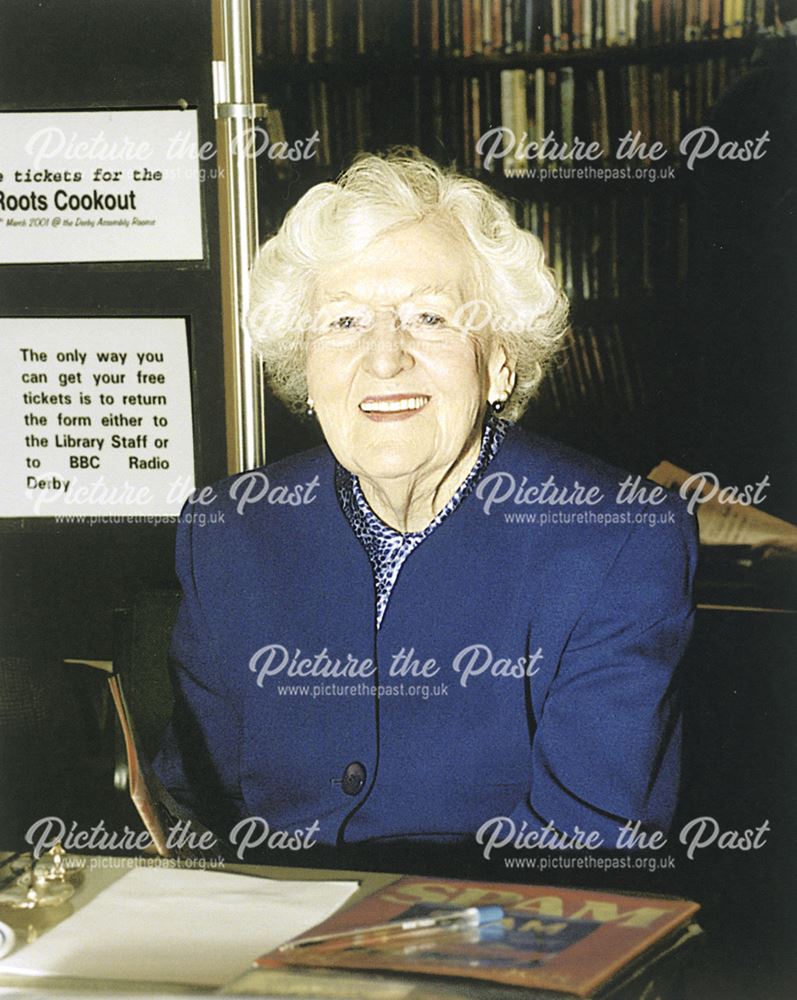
387	548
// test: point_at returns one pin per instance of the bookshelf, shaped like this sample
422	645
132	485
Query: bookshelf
439	74
315	30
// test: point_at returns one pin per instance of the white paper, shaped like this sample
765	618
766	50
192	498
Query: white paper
97	417
99	186
178	926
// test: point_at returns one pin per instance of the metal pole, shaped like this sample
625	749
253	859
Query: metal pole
236	111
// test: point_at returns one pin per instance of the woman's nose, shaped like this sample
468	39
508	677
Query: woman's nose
387	351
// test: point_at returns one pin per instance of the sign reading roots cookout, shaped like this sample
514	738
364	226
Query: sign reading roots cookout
99	186
97	418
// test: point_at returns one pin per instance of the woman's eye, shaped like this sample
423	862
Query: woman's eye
430	319
344	323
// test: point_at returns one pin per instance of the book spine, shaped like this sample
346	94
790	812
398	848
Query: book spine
531	107
293	27
577	36
507	107
447	43
415	26
738	19
528	26
520	112
539	109
477	16
546	27
692	28
704	18
603	112
465	150
622	22
599	22
467	28
567	97
497	25
566	33
633	21
456	27
332	28
312	30
610	23
362	36
675	22
258	33
487	28
517	24
476	123
645	88
715	19
325	132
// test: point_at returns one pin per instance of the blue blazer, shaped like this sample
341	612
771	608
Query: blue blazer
553	690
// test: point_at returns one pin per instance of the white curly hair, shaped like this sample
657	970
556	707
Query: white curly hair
515	297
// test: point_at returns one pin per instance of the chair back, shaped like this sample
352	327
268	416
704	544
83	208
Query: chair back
142	633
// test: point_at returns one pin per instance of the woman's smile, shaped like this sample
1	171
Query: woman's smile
395	406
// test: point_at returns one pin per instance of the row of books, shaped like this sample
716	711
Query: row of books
318	30
487	120
610	248
654	103
597	369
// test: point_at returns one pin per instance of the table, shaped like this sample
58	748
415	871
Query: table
666	970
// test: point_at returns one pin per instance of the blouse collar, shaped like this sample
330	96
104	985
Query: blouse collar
388	548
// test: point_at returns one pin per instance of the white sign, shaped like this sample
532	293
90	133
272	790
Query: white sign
96	416
99	186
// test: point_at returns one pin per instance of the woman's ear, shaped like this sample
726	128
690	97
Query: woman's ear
500	374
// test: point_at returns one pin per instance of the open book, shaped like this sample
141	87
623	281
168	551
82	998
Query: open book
723	521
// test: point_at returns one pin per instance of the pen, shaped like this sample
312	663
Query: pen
473	916
484	934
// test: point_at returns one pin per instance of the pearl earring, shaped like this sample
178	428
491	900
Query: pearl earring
310	407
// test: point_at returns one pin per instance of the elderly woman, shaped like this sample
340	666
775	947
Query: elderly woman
434	621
